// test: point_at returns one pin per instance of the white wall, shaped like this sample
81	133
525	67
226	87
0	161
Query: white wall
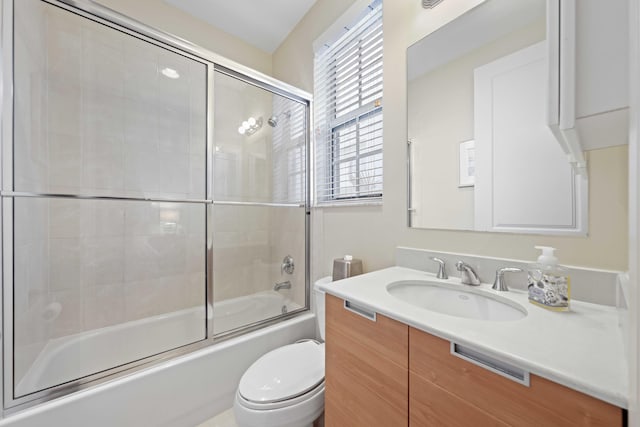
372	233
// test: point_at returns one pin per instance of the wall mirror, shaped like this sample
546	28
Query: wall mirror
481	156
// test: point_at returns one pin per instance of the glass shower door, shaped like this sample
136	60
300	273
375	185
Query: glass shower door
260	204
105	211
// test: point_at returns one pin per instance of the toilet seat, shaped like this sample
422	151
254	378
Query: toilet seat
310	395
284	376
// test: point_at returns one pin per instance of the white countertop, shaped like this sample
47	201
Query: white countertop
581	349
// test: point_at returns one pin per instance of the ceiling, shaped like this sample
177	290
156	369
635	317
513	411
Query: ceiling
262	23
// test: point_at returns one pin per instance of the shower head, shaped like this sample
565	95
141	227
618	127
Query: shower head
273	120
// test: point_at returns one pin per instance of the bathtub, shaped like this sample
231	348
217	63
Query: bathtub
236	312
179	392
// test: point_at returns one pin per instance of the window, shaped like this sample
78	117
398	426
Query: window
289	151
348	113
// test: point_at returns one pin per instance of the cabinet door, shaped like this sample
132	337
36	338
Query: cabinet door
543	403
366	369
430	405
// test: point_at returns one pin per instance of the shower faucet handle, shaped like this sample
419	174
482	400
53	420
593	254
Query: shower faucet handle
287	265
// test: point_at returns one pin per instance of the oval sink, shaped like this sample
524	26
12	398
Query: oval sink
454	301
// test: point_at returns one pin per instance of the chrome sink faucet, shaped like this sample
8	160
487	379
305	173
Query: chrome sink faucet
467	275
442	270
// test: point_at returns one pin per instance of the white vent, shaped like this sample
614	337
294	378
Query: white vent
430	4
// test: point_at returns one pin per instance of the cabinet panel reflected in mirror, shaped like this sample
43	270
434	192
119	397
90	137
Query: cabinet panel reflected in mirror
482	156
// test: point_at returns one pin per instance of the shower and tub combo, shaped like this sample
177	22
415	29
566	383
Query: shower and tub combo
143	235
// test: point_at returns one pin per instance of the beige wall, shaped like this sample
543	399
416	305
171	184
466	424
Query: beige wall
162	16
372	233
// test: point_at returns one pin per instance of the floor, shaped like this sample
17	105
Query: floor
227	419
224	419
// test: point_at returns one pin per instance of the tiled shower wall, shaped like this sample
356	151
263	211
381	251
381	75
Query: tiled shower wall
250	242
95	116
110	123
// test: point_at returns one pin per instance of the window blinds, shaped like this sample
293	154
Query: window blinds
348	112
289	151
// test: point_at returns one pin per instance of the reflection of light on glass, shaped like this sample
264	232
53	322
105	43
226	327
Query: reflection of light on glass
250	126
169	219
170	72
217	149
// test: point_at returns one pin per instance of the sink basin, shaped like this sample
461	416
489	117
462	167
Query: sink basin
456	301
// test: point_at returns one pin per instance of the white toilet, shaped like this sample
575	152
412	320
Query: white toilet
285	387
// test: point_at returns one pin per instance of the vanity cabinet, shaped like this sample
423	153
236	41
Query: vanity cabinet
443	386
380	372
366	381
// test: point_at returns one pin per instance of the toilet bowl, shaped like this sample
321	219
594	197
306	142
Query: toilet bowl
285	387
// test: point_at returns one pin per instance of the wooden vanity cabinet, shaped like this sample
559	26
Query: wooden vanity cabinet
430	405
443	386
366	382
380	372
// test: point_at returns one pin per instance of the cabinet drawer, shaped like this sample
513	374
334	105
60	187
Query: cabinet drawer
366	381
542	403
430	405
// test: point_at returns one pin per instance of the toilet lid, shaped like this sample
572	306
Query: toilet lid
284	373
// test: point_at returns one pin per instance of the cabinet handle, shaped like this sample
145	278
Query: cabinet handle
359	310
494	365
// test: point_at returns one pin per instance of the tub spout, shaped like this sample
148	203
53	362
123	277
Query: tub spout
282	285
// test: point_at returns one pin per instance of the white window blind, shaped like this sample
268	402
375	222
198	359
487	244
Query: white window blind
348	112
289	151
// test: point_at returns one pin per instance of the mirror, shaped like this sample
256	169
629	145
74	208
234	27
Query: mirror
480	152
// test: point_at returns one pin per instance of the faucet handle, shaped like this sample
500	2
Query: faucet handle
442	271
499	284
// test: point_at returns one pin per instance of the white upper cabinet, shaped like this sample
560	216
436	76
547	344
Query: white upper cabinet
602	57
588	75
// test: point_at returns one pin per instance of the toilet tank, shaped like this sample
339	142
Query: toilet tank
318	296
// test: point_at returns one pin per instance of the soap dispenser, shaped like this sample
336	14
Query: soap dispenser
549	283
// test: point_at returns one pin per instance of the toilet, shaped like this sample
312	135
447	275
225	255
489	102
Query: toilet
285	387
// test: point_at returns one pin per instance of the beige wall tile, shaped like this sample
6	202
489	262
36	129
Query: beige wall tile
102	260
71	318
66	264
104	306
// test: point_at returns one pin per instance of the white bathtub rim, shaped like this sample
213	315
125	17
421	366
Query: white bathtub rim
31	380
55	346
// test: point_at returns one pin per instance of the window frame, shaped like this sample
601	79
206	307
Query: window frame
335	159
